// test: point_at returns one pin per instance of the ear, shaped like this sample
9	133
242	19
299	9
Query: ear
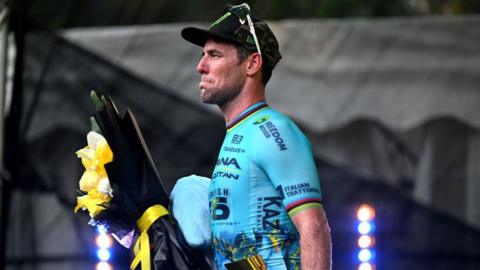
255	63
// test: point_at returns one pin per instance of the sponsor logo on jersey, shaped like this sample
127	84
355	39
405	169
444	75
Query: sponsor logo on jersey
227	167
219	208
265	131
298	189
269	208
279	189
217	223
261	120
269	130
233	149
276	134
237	139
218	192
228	161
225	175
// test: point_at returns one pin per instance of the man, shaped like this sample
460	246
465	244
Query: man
264	195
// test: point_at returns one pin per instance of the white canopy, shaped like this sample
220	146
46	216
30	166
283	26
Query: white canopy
401	72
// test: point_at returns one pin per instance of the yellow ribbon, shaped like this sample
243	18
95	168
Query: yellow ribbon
142	246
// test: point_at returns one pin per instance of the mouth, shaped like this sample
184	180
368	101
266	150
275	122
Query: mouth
204	81
202	85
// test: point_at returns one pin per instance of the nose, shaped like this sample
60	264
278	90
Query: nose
202	67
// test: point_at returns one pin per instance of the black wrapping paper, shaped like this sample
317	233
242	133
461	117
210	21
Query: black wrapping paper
136	186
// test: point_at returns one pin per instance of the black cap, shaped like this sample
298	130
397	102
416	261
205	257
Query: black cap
231	28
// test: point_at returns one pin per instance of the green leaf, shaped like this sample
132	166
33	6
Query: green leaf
94	125
99	105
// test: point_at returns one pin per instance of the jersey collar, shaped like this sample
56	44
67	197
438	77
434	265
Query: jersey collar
246	114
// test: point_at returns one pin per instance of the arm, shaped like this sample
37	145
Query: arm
293	173
315	242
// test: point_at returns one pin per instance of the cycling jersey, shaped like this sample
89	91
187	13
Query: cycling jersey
264	174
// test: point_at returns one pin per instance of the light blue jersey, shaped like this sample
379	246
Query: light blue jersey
264	174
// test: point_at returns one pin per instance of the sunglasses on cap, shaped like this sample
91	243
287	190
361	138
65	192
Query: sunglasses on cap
242	12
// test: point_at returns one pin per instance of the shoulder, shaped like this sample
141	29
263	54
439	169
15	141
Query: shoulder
277	123
274	130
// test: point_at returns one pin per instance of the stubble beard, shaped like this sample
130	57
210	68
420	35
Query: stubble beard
219	97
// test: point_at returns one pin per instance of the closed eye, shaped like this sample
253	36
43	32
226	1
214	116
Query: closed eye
214	53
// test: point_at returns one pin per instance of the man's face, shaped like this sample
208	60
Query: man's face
222	76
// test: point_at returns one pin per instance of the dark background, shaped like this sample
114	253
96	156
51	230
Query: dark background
48	121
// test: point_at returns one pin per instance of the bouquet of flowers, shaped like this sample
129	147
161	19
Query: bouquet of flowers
94	180
124	192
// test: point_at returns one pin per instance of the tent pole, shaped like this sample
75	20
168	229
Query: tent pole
16	20
3	74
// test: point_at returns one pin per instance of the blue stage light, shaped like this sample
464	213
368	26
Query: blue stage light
365	255
365	213
103	254
366	266
104	241
366	241
365	227
104	266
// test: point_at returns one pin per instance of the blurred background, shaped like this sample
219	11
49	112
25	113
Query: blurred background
387	91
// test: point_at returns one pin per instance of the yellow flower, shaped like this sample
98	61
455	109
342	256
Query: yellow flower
94	157
92	202
95	179
88	181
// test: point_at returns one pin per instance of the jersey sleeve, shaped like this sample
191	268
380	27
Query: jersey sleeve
285	154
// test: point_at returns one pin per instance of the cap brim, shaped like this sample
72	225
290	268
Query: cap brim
200	36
